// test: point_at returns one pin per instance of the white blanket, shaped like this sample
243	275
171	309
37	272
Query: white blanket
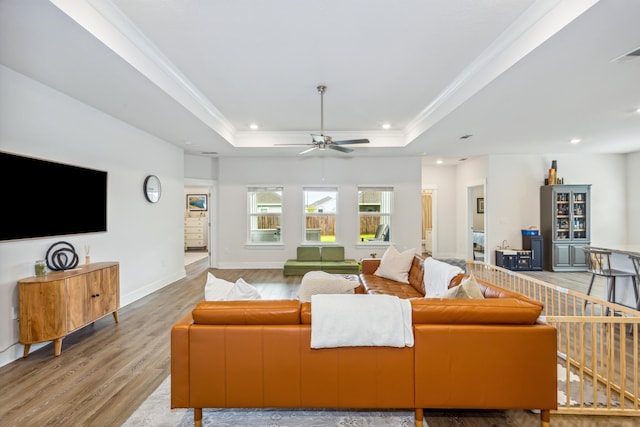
360	320
437	275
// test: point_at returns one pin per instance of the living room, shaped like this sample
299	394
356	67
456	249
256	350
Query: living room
147	238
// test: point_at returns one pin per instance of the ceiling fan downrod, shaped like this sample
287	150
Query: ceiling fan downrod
321	90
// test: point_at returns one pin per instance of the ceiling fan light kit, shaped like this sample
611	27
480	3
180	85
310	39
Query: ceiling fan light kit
321	141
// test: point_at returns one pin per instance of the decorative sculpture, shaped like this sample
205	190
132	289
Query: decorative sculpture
61	256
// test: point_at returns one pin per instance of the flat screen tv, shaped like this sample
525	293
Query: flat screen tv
41	198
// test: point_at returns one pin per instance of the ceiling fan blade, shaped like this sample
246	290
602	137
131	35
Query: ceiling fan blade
352	141
309	150
293	145
339	148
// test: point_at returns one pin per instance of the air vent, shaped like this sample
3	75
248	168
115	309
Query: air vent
211	153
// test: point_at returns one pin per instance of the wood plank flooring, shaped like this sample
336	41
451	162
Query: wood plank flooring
106	370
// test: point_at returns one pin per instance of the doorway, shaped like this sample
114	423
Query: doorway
199	205
476	217
428	221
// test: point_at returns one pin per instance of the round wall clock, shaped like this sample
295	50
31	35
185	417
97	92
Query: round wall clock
152	188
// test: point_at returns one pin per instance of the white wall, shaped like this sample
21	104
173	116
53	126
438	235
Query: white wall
513	194
633	199
607	174
200	167
146	239
470	173
443	180
345	172
513	199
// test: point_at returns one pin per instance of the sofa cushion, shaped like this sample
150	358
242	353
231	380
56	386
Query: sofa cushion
308	253
378	285
258	312
332	253
474	311
320	282
395	265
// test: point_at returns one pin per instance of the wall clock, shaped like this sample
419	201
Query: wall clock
152	188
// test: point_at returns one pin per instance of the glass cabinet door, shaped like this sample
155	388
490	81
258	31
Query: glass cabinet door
579	212
563	218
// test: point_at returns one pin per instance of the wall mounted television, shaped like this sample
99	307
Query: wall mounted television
41	198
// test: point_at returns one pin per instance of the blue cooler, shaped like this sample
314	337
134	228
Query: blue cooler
530	232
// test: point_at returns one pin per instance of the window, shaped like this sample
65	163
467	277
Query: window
320	214
375	206
265	214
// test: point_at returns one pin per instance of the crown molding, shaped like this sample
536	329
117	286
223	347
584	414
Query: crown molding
105	21
538	24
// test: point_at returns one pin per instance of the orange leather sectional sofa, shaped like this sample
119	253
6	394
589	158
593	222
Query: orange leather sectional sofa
468	354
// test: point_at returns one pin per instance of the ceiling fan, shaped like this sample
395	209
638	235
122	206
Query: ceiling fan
322	141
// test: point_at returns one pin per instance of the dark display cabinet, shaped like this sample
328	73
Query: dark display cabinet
564	225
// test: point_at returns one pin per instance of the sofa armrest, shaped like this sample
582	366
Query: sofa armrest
180	362
370	265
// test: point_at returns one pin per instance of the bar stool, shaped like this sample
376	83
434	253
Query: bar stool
599	264
635	259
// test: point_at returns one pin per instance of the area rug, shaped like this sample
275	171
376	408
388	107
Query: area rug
155	412
574	389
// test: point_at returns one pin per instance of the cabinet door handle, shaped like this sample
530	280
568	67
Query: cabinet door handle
95	295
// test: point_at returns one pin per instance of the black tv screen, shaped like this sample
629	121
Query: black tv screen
41	198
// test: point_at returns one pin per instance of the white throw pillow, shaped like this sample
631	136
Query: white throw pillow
395	265
455	292
243	291
468	288
471	287
216	289
320	282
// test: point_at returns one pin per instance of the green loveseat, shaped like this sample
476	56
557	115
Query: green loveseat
315	258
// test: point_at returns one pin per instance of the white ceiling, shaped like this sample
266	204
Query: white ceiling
520	76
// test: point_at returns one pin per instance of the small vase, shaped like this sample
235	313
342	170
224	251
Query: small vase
40	268
87	259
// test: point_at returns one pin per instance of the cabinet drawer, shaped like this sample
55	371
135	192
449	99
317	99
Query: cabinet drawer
193	221
197	229
193	235
194	242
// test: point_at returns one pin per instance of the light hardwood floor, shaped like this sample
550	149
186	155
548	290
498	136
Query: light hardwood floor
106	370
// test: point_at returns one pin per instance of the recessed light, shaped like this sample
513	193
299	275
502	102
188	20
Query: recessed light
253	126
638	110
439	161
575	141
386	126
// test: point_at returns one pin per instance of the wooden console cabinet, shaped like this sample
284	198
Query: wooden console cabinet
53	306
